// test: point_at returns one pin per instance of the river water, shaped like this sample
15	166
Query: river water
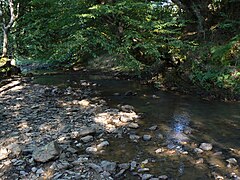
183	122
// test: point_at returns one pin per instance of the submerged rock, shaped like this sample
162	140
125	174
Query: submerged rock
47	152
147	137
102	144
127	108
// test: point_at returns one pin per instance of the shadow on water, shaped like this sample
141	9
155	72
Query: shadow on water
183	123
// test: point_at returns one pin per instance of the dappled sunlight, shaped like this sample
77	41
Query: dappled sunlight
85	128
113	118
14	85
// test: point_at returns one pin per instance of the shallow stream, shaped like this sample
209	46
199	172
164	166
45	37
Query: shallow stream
183	122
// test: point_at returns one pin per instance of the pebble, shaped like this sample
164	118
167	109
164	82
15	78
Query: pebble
163	177
127	108
91	149
146	176
232	161
133	125
153	128
109	166
147	137
40	171
199	161
95	167
198	150
124	166
103	144
143	170
87	139
133	165
159	150
206	146
134	137
34	169
120	173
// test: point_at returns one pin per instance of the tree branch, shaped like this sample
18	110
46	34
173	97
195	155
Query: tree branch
13	17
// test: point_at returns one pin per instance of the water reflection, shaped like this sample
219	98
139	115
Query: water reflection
179	127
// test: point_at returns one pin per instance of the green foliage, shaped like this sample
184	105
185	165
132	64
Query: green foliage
73	30
227	54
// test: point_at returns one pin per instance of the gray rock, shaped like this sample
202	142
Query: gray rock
34	169
163	177
4	153
47	152
143	170
134	137
199	161
198	150
23	173
133	125
147	137
232	161
95	167
83	132
160	136
87	139
146	176
109	166
124	166
127	108
40	171
153	128
106	175
15	149
206	146
120	173
103	144
133	165
91	149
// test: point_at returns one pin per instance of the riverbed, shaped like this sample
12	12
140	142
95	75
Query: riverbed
179	125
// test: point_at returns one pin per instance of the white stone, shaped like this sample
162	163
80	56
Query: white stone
206	146
146	176
91	149
4	153
103	144
133	125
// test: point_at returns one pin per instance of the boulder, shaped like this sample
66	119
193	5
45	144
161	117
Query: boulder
47	152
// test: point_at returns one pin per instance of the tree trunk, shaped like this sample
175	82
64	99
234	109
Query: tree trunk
5	43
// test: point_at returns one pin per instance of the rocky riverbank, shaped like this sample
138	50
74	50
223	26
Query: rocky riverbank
49	132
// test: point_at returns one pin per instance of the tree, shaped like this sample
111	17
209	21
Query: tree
8	16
